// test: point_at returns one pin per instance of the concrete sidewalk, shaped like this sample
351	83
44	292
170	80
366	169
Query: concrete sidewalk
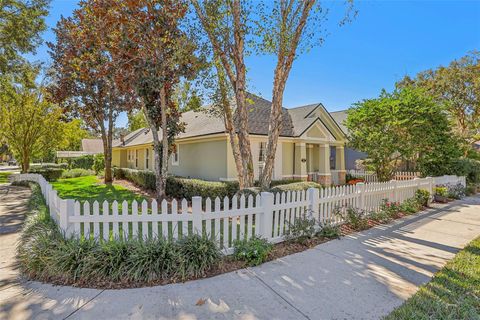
363	276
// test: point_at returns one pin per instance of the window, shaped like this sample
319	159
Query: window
136	158
147	158
175	155
261	157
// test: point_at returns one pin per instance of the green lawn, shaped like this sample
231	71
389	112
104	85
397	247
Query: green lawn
4	177
91	188
453	293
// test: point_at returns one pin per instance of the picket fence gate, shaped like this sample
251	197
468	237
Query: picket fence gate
224	220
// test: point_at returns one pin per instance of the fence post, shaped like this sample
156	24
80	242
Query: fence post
314	202
430	185
267	215
418	182
395	190
361	198
66	210
197	215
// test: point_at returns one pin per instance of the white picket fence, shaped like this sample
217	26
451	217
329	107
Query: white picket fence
224	220
370	177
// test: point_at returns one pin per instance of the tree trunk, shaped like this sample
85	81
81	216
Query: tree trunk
230	126
157	163
286	53
25	161
163	176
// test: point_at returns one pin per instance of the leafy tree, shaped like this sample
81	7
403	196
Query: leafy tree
29	123
154	54
136	120
73	133
404	125
21	23
85	74
287	29
225	24
457	86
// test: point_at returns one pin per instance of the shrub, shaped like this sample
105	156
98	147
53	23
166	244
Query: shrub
329	230
381	216
50	174
254	251
422	197
302	228
198	254
456	191
178	187
75	173
467	167
410	205
98	163
297	186
441	191
49	166
390	209
352	216
143	178
83	162
471	189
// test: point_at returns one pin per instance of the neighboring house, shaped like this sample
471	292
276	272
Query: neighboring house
310	146
351	155
89	147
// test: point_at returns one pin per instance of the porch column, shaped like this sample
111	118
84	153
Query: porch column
301	161
340	164
324	174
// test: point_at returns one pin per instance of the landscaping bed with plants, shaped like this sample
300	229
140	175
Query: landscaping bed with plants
45	255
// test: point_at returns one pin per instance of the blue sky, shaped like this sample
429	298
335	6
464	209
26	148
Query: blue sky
387	40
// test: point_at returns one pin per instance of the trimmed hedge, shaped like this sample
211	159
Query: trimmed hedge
298	186
83	162
51	174
178	187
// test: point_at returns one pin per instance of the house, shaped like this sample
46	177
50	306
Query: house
351	155
310	146
89	147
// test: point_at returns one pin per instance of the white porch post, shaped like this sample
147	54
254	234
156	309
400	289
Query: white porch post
340	164
324	175
301	161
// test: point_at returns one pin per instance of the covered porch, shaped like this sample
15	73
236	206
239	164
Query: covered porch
320	162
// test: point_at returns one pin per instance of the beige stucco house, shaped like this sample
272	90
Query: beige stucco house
310	147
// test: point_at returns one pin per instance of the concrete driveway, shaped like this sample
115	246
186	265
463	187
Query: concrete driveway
363	276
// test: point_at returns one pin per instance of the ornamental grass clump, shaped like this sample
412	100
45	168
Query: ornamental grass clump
45	254
198	254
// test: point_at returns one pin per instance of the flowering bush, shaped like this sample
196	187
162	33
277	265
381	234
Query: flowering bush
390	208
456	191
355	181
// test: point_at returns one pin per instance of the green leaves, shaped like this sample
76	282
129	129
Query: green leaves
405	125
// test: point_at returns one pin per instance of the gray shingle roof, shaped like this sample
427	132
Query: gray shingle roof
200	123
92	145
340	117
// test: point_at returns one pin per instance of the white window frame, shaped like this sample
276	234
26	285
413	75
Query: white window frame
262	149
147	159
176	156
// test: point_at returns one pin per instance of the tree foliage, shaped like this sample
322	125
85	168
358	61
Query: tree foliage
406	124
21	23
85	75
29	123
136	120
457	86
154	54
